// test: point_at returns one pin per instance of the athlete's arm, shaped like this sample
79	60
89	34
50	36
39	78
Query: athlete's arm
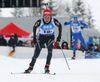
67	23
58	24
36	25
85	26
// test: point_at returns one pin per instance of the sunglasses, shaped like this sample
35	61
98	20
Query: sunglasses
75	17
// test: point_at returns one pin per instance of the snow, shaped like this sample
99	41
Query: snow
81	70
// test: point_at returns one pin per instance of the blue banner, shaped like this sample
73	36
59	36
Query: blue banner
95	55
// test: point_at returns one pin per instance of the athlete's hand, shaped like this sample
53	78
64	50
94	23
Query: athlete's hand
34	40
65	23
82	27
58	38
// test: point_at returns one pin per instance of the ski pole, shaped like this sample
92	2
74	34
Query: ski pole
65	58
86	33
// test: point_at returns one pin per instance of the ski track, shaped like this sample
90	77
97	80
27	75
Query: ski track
81	70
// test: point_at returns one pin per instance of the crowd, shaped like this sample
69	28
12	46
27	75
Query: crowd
13	41
90	44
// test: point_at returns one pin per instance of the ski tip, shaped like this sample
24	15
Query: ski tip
50	73
11	73
54	74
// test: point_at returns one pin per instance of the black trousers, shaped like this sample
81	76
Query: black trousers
41	41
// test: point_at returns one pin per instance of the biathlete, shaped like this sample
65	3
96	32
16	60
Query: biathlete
46	27
76	26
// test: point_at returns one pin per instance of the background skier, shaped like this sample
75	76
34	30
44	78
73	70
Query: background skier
76	26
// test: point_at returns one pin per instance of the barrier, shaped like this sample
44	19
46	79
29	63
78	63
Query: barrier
27	53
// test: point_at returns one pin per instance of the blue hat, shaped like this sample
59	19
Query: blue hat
90	37
75	18
1	35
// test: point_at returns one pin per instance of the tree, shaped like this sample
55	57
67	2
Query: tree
90	20
53	7
68	11
36	11
79	9
18	12
60	8
41	8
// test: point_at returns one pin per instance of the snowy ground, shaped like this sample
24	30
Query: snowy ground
81	70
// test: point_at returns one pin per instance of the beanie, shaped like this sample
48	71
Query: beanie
46	12
75	18
1	35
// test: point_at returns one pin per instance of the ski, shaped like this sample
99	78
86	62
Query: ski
32	73
50	73
19	73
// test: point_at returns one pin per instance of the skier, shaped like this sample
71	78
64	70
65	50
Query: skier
76	26
46	35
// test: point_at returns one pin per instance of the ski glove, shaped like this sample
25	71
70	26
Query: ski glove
82	27
58	38
65	23
34	40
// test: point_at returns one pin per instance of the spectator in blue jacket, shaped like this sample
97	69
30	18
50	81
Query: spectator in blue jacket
90	44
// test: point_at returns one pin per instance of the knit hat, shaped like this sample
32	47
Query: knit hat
12	35
75	18
1	35
47	12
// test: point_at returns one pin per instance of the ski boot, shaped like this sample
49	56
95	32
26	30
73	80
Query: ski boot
74	56
87	51
46	69
29	69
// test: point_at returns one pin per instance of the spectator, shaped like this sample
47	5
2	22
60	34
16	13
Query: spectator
98	48
82	47
12	42
20	43
28	44
65	45
90	44
32	43
16	37
56	46
71	47
77	47
3	42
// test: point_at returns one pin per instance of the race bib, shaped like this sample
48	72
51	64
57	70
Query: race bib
76	29
47	31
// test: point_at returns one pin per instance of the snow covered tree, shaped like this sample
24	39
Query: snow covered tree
36	11
61	8
90	20
68	10
42	7
53	7
78	9
18	12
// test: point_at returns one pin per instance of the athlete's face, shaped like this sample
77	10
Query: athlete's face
75	21
47	18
